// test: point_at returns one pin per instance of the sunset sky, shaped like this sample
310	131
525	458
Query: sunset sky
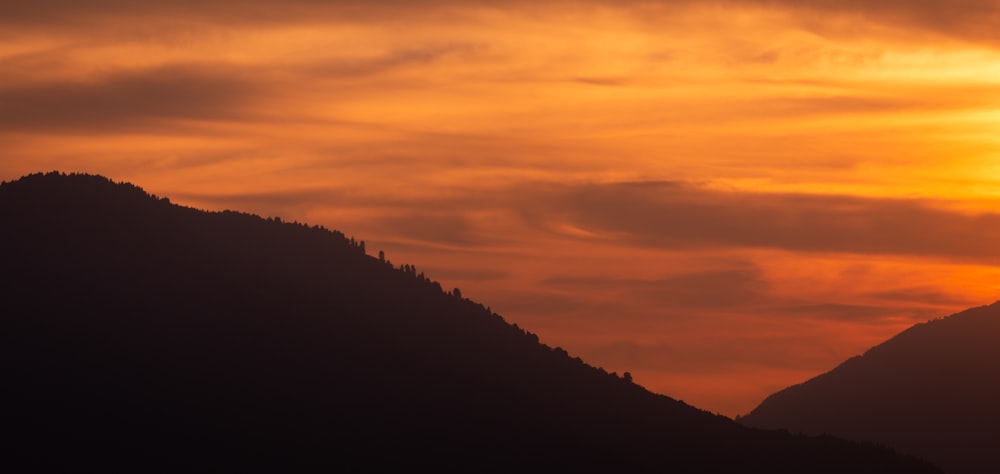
723	198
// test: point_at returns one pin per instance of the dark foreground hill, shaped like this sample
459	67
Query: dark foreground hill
139	335
932	390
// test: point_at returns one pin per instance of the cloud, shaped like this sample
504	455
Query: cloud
835	311
47	13
924	295
804	107
960	18
436	227
708	289
973	19
464	132
129	100
677	216
389	61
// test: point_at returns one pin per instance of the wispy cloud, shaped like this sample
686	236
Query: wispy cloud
673	216
129	100
679	216
711	289
696	190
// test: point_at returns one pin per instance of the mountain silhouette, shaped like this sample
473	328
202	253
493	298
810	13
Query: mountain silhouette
932	390
144	336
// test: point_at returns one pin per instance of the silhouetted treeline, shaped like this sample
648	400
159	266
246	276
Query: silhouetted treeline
139	335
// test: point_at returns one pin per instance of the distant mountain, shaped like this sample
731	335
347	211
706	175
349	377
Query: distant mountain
140	336
933	391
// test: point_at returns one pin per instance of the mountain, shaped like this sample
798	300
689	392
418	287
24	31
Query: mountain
932	390
144	336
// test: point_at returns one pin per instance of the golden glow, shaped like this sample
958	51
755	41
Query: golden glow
488	146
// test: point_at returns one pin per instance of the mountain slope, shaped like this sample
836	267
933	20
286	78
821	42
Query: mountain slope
932	390
140	335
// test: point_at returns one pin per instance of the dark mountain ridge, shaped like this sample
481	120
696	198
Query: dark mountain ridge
932	391
140	335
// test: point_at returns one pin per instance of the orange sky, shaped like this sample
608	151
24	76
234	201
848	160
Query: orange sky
723	198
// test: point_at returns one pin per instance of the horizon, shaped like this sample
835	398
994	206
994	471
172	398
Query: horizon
723	200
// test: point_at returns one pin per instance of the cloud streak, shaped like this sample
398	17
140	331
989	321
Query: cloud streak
668	215
704	290
970	19
678	216
694	191
129	100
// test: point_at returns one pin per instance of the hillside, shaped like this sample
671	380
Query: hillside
932	391
140	335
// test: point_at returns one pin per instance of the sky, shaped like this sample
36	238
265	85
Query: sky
723	198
